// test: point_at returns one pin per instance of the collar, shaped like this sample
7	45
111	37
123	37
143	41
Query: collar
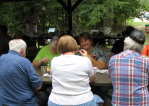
127	52
14	52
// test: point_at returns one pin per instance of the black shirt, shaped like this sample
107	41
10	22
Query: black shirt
118	46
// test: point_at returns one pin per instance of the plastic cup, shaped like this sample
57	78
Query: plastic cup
43	69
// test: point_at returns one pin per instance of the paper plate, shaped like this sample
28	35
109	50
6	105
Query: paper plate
103	71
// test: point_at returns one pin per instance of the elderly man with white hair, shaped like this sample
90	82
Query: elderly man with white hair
18	79
129	72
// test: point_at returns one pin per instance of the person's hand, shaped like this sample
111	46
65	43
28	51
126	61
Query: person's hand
45	59
94	56
84	53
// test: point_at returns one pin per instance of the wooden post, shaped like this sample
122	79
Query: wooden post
69	8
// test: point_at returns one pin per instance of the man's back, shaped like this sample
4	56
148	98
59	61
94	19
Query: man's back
18	81
129	74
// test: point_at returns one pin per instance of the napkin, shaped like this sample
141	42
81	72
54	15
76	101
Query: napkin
103	71
46	75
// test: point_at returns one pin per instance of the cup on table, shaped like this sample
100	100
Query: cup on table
43	69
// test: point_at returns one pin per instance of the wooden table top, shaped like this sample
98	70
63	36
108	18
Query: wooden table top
101	79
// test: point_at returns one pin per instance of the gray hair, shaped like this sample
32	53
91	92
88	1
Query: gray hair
132	45
17	45
53	42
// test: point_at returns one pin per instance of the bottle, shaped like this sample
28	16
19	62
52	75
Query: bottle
48	68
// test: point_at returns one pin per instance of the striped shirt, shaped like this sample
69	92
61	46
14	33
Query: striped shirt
129	74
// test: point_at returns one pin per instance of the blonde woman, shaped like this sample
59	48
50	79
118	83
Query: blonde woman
71	75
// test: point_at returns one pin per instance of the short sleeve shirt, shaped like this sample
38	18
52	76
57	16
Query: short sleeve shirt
99	52
45	52
70	80
129	72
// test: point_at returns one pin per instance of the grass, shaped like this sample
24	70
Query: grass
139	26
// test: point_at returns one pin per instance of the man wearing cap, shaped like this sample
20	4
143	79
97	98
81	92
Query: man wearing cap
128	71
147	28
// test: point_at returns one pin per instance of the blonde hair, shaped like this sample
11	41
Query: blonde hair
67	44
132	45
17	45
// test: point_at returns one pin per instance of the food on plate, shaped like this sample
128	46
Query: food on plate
105	72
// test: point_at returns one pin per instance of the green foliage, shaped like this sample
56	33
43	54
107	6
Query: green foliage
90	14
144	5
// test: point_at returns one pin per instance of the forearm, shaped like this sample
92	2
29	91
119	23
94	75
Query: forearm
38	88
100	64
37	63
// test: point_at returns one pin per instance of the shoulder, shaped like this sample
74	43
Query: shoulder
82	59
22	61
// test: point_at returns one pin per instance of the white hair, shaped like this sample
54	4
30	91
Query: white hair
17	45
132	45
53	42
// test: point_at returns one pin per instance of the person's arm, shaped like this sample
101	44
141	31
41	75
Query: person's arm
38	88
85	54
93	77
100	64
38	63
33	78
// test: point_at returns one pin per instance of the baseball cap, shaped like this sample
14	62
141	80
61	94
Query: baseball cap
137	36
147	25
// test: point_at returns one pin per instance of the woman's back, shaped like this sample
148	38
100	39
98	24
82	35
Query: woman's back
70	74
